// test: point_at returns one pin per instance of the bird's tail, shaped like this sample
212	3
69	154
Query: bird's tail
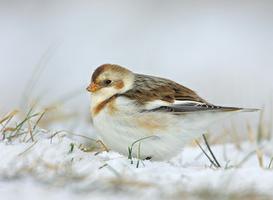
234	109
202	120
249	109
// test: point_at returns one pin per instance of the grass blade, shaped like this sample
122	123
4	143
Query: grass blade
212	154
211	161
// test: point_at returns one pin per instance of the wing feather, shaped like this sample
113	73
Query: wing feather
174	98
149	88
192	107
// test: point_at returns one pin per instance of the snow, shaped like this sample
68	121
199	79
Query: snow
222	50
49	168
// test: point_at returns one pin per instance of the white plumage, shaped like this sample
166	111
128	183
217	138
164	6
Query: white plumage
165	134
158	113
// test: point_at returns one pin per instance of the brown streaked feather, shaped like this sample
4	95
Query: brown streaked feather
119	84
192	107
112	108
150	88
98	71
107	67
151	123
100	106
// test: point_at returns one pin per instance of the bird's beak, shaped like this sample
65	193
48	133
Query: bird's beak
93	87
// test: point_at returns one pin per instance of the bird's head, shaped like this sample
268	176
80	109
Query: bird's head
109	79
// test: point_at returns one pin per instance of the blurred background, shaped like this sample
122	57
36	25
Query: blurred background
221	49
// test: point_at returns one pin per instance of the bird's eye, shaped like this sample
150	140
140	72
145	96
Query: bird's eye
107	82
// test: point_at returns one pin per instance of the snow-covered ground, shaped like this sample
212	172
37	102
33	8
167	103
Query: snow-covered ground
58	165
221	49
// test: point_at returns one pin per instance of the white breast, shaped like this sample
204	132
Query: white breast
123	125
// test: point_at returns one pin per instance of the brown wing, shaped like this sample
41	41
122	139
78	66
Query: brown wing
195	107
150	88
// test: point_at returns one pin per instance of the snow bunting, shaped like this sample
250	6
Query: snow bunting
158	114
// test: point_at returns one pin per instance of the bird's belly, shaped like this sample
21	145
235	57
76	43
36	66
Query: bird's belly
159	135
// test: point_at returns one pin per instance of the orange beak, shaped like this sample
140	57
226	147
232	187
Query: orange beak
93	87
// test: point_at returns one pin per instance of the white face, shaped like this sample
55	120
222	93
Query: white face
108	84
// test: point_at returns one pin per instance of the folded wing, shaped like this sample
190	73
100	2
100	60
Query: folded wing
149	88
175	98
194	107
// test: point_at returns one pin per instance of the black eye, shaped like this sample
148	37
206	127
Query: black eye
107	82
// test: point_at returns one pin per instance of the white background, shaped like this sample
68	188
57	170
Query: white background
221	49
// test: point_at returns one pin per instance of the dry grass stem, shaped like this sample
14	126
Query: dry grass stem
30	131
261	127
9	116
270	165
32	145
211	153
104	147
205	153
259	154
250	133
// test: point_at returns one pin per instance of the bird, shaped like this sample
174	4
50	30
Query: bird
152	117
